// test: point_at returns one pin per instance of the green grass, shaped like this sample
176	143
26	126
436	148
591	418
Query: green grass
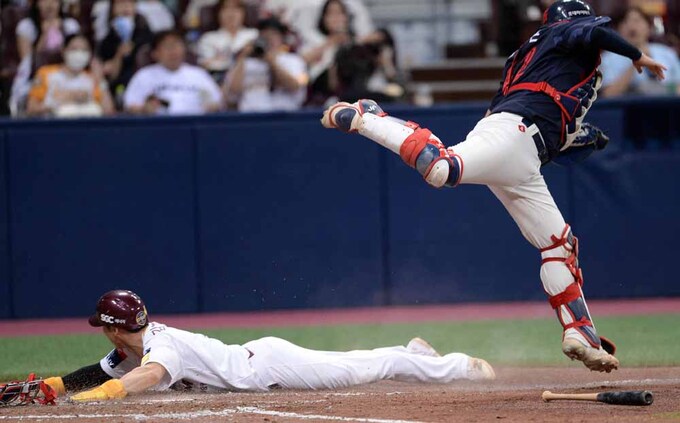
642	341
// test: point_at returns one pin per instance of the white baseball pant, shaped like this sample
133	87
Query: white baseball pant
500	152
284	364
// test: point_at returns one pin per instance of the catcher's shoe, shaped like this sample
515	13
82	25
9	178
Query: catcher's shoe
479	369
421	347
597	360
347	117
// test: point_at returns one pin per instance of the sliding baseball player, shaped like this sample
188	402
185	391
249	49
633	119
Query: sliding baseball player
155	356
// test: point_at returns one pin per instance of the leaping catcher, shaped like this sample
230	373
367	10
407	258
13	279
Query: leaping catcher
548	86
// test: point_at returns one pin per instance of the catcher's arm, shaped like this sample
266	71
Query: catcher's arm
138	380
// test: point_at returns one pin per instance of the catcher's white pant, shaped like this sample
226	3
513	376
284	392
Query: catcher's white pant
500	152
278	362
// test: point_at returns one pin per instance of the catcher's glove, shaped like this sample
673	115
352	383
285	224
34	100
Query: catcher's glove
30	391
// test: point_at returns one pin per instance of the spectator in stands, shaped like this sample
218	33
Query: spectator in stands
171	86
620	77
44	31
157	15
40	39
216	49
366	71
69	89
267	77
320	47
344	65
128	34
303	15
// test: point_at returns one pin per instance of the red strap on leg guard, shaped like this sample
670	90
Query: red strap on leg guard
578	324
572	261
558	242
570	294
414	144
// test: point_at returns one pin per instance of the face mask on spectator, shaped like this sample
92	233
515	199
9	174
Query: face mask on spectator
124	26
77	60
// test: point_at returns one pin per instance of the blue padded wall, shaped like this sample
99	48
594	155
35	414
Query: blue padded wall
99	207
290	216
5	274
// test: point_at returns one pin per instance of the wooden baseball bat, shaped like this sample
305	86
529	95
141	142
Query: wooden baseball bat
616	398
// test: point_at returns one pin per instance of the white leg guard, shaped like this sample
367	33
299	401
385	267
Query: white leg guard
562	280
385	131
417	146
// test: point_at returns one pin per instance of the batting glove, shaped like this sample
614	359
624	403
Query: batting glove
112	389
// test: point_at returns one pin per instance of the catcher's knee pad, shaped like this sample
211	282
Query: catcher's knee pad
570	305
426	153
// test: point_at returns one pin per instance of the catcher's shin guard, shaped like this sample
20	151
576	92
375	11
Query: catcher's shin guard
424	152
562	279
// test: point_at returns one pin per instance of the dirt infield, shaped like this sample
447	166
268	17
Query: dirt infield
514	397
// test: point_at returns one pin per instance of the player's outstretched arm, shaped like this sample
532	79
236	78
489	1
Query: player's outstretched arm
608	39
138	380
83	378
647	62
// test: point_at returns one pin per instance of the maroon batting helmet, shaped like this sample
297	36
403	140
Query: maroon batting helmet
122	309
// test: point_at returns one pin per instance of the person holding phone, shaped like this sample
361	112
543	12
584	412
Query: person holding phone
171	86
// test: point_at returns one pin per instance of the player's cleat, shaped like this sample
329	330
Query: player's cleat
421	347
597	360
479	369
347	117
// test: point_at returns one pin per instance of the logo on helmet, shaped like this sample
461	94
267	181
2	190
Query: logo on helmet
578	13
141	317
105	318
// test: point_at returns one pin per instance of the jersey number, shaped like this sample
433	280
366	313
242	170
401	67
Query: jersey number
534	38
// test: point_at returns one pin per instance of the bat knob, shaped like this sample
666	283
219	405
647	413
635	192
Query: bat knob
546	395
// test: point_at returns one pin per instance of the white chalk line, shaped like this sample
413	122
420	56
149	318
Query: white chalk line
205	413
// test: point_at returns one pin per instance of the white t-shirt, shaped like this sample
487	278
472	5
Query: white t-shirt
258	95
216	49
188	90
188	357
26	28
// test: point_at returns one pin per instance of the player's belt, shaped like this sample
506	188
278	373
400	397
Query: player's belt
538	140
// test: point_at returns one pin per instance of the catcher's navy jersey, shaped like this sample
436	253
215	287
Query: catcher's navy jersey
563	56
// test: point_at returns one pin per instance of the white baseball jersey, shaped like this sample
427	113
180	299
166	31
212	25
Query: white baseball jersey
273	362
188	357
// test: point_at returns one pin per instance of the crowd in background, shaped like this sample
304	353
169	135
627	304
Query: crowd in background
74	58
103	57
